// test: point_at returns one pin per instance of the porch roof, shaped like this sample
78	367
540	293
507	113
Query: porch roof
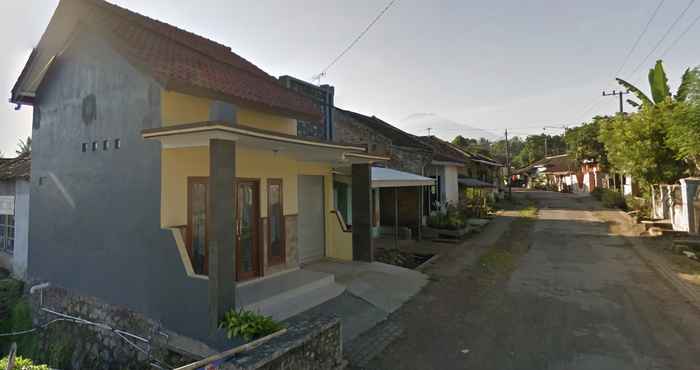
474	183
198	134
388	178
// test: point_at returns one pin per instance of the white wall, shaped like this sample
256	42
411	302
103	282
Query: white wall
450	185
20	255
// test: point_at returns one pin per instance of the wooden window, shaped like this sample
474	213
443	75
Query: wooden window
197	200
7	233
275	216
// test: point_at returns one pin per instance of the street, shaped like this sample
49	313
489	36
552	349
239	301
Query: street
577	296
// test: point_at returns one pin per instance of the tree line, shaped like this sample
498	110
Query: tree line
659	143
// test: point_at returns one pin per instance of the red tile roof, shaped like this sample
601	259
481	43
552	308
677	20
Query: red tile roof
182	60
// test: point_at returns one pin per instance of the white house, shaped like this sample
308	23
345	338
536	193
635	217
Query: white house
14	214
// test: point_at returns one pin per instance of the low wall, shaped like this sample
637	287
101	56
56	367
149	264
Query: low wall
71	345
307	345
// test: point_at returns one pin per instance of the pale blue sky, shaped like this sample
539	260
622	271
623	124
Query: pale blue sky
511	64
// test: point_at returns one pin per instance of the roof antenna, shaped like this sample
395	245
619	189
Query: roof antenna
317	78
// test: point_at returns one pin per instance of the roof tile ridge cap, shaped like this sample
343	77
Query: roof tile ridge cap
126	13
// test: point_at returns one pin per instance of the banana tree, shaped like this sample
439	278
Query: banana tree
660	91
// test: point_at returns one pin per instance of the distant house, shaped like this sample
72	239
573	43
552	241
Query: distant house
14	213
169	176
456	170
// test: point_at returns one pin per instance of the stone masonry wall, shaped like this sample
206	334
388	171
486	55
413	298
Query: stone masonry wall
351	131
307	345
70	345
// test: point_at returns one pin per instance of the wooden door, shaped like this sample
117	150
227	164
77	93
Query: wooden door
247	233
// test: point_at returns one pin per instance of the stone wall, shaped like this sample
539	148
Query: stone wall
70	345
307	345
350	130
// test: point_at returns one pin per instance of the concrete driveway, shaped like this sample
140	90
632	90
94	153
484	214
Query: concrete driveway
579	297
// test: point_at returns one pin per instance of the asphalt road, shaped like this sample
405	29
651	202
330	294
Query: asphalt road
579	297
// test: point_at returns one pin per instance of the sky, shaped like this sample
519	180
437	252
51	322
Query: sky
458	67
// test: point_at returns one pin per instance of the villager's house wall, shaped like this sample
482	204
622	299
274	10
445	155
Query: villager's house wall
96	190
15	260
348	129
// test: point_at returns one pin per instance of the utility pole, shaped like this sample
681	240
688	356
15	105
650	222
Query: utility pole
429	129
510	185
620	94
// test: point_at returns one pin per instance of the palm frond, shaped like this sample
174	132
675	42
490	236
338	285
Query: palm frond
689	82
659	83
634	90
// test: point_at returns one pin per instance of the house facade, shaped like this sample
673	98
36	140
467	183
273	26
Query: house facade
14	214
168	175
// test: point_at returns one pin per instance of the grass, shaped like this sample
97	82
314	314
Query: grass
497	261
529	212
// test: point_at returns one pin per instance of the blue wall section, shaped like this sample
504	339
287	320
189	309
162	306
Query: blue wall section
95	216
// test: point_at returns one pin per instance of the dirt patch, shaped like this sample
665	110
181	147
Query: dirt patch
400	258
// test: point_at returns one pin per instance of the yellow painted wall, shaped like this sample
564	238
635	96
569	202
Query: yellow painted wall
179	108
266	121
181	163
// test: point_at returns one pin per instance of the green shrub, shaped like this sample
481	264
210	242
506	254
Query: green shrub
23	364
597	193
613	199
248	325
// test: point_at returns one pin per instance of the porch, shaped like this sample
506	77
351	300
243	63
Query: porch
247	207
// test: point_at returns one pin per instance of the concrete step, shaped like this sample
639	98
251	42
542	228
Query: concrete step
289	294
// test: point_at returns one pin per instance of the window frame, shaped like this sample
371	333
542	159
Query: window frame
7	235
276	260
191	181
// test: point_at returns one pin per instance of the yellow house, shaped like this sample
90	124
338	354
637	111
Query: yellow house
178	165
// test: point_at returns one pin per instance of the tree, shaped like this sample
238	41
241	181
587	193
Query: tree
660	91
583	142
481	146
534	149
24	147
635	144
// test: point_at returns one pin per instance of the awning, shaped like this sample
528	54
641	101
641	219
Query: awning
303	149
388	178
474	183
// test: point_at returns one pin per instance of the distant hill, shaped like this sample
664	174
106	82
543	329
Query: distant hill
444	128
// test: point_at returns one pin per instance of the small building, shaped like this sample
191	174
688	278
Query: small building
458	172
169	176
14	214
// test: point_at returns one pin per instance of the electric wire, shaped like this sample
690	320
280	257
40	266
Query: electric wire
675	42
639	38
663	38
356	40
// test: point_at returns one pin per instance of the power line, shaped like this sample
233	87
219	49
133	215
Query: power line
597	102
355	41
639	38
668	31
673	44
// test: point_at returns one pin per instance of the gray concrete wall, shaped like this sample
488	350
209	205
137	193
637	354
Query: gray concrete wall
95	216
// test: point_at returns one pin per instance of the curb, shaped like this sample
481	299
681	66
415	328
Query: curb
658	264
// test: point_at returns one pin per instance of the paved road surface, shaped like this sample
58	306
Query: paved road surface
580	298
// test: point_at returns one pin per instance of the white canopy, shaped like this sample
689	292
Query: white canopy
388	178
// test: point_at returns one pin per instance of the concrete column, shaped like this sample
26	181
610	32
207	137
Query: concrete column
419	194
689	189
362	244
221	221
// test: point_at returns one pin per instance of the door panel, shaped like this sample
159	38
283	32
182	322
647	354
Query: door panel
311	234
247	247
